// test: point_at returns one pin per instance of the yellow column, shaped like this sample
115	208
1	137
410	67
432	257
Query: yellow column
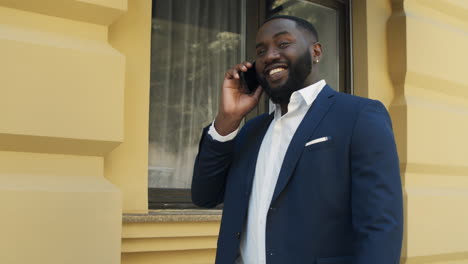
61	112
127	165
370	60
420	45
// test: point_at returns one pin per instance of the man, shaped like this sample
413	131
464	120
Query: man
315	181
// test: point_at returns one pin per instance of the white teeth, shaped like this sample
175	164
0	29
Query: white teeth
276	70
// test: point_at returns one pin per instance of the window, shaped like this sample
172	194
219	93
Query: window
192	44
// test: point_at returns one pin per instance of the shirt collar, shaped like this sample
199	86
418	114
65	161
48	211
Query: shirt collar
308	93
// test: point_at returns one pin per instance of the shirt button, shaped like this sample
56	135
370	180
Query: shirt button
238	235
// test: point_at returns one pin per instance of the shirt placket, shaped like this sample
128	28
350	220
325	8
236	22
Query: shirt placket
270	180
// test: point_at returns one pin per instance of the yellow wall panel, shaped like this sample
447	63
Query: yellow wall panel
206	256
60	87
102	12
436	52
453	12
57	209
49	164
170	229
168	244
436	131
38	24
436	220
456	258
85	105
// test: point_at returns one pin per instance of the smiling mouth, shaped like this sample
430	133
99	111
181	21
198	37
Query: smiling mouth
276	70
276	74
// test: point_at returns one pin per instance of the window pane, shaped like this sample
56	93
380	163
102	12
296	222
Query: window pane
325	21
192	44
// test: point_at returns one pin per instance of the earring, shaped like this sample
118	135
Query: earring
317	61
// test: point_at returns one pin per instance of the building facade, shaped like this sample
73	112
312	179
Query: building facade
79	89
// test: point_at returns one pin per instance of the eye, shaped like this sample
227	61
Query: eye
284	44
260	52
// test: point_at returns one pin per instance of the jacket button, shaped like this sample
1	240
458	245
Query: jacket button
238	235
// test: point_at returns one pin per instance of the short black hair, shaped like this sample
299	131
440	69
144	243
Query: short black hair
300	22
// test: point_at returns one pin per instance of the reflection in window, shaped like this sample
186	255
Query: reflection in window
193	43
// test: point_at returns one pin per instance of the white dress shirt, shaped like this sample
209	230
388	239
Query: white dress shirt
269	161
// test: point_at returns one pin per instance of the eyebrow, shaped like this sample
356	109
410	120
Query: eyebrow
281	33
274	36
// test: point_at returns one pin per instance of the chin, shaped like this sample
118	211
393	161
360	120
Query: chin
277	85
280	95
279	91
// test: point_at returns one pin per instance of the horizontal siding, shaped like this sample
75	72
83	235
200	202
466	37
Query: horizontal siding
169	242
205	256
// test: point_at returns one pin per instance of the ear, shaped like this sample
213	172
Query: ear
316	52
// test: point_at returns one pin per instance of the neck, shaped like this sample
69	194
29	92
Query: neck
284	109
311	79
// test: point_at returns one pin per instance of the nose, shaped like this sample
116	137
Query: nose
272	54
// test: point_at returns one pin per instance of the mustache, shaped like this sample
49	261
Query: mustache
298	72
275	64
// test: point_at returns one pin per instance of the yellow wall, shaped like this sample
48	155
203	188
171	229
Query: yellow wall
411	54
434	94
61	112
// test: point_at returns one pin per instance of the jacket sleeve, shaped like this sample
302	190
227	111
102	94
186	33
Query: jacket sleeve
210	171
376	190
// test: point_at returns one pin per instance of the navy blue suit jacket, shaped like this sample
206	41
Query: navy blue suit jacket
335	202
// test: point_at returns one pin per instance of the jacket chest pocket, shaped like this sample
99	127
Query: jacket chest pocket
318	156
319	143
318	174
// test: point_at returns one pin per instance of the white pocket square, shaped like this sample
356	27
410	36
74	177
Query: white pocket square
317	140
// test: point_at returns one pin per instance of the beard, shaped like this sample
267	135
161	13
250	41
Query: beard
298	73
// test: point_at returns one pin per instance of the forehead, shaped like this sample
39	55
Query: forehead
272	27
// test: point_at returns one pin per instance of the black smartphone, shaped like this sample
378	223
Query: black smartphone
249	79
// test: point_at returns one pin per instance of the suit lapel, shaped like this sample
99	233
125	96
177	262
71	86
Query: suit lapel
311	120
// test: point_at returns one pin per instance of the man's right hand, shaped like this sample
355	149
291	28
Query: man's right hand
235	102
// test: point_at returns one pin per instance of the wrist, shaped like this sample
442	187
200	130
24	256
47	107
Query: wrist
225	124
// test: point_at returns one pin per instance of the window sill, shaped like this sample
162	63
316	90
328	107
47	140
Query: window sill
154	216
